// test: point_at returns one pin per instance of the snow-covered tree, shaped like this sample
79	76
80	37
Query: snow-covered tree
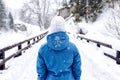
11	20
36	12
26	14
2	15
113	21
88	9
94	9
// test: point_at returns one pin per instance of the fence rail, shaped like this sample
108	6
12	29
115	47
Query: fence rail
3	60
116	58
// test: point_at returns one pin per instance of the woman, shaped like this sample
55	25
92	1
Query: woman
58	58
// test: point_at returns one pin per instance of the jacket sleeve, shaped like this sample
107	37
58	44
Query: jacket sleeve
41	67
76	67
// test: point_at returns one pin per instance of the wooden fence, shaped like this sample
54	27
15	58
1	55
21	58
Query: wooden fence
116	58
3	60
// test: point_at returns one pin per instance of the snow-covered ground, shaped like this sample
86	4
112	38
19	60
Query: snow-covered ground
16	68
95	66
12	37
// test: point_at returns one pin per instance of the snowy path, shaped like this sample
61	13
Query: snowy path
23	67
95	66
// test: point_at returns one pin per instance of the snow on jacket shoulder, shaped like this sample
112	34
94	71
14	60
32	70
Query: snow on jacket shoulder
58	59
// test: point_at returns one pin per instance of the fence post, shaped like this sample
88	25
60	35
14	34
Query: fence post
20	47
2	57
37	39
20	53
98	45
118	57
28	42
88	41
40	36
34	39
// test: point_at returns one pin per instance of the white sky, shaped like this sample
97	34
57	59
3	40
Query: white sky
14	4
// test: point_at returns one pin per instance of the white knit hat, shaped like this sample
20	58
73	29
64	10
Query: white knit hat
57	24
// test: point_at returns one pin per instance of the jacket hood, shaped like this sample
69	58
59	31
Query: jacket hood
58	40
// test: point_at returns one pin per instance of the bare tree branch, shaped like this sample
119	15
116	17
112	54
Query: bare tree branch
39	10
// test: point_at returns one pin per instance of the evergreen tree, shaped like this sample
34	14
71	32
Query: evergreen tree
11	21
75	4
88	9
64	3
2	15
94	8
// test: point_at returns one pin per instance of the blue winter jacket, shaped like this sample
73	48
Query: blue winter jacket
58	59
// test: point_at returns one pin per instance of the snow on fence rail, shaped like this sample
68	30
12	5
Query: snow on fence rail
3	60
116	58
